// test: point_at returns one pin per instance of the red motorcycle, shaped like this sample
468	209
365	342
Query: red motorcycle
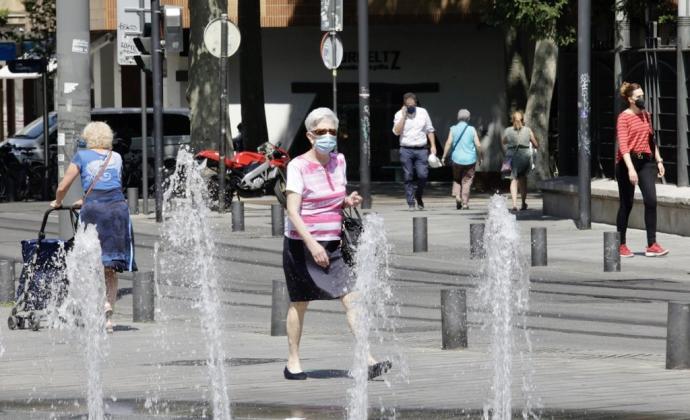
248	174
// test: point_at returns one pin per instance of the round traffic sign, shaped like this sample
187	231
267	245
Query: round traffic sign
212	39
327	53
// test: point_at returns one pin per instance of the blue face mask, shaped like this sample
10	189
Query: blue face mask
411	109
325	144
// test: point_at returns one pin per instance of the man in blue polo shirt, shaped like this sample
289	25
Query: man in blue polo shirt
413	125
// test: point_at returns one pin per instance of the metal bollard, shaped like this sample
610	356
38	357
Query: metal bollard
539	256
453	319
277	219
6	281
476	240
678	336
237	216
133	200
612	256
280	302
419	235
143	297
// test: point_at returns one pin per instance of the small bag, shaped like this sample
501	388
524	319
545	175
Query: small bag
507	166
352	228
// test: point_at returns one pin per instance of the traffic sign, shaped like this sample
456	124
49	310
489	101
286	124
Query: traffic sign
212	39
128	25
327	53
331	15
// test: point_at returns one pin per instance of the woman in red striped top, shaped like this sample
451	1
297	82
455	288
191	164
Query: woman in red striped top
638	162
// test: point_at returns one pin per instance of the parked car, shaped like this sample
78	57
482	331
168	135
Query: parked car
126	124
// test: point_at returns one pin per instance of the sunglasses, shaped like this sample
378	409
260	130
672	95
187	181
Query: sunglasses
322	131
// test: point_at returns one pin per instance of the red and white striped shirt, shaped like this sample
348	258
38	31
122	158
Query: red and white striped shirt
322	188
633	131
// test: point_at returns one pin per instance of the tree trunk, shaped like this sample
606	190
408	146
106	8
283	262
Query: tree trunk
517	83
251	74
204	80
539	97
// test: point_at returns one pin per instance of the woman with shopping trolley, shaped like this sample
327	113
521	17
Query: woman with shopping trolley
103	204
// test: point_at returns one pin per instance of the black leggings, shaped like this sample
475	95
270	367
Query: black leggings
646	173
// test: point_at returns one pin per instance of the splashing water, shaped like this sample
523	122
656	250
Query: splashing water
2	348
374	311
504	296
84	310
188	249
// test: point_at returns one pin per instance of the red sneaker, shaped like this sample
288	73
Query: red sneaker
625	252
655	251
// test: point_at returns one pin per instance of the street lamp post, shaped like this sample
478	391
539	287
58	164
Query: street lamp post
364	129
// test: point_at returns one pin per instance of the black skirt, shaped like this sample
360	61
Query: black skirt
306	280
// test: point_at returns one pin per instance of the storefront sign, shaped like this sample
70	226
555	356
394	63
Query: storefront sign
378	60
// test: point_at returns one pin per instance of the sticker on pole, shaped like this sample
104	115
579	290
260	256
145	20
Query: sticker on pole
331	59
212	39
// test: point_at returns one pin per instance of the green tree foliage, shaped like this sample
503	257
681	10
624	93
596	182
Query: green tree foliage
42	27
538	18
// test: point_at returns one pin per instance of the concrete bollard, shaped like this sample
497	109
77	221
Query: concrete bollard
280	302
476	240
419	235
539	256
612	256
143	297
6	281
277	219
453	319
133	200
237	216
678	336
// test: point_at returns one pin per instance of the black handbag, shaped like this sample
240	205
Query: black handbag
352	228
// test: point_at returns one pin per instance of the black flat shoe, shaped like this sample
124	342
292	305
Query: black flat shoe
294	376
379	369
458	205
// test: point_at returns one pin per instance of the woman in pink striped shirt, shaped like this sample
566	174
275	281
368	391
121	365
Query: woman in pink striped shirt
312	260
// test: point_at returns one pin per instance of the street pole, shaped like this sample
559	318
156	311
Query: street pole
73	87
46	129
157	74
363	44
583	110
621	38
144	137
683	37
335	75
223	111
335	60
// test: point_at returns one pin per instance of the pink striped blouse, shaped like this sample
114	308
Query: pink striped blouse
323	190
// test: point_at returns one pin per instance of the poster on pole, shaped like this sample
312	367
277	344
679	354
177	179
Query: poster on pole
128	22
331	15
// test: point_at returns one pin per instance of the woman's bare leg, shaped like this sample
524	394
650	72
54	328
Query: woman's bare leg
110	287
514	191
351	312
295	321
523	189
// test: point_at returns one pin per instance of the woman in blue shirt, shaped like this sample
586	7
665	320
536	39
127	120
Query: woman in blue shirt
104	205
465	152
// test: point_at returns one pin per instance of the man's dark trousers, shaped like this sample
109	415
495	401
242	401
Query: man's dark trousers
414	162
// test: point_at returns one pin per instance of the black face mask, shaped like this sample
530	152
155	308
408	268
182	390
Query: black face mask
639	103
411	109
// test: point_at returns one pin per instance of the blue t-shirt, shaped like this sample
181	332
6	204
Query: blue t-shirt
89	163
465	152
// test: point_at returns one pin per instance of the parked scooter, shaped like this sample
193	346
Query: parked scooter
248	174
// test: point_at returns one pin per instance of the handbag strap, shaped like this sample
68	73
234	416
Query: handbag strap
99	174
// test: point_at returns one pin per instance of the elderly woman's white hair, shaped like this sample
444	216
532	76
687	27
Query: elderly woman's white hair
464	115
320	114
98	135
